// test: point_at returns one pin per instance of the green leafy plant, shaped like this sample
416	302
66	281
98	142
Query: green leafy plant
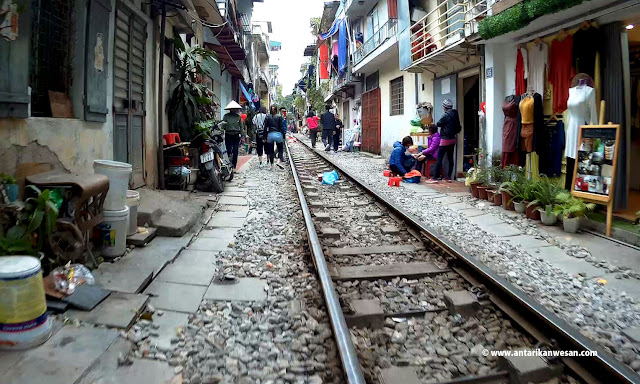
190	100
36	222
520	15
545	193
7	179
516	183
496	175
571	207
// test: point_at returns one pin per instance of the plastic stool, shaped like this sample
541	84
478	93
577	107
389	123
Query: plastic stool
171	138
395	181
386	173
427	168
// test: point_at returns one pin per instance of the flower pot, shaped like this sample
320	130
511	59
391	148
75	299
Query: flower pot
519	206
482	192
491	195
571	224
474	189
12	192
497	198
532	211
506	201
549	219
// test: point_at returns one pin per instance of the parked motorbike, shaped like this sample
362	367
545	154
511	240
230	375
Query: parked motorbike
214	166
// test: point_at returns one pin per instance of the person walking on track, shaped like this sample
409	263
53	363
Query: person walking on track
337	133
233	131
312	123
449	125
274	135
328	122
259	124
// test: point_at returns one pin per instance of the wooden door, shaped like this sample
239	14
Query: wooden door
371	122
129	95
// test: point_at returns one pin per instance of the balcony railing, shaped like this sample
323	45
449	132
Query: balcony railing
388	30
347	78
444	26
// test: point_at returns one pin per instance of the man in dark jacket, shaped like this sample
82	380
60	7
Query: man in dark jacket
400	162
449	125
328	121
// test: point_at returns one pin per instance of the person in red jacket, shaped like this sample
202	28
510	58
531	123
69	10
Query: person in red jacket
431	153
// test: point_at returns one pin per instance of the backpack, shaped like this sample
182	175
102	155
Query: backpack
260	125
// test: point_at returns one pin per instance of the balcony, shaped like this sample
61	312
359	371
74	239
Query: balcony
387	31
444	35
231	34
358	8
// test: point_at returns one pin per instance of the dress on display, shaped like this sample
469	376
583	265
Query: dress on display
526	119
586	43
510	131
538	60
522	71
561	72
582	110
550	150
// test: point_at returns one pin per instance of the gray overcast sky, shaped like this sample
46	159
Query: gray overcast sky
290	24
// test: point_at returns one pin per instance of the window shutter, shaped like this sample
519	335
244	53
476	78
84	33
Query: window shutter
15	95
96	66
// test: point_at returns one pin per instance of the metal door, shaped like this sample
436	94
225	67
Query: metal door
128	90
371	121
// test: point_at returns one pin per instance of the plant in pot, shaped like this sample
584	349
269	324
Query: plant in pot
545	195
571	209
516	191
483	178
495	179
510	174
10	187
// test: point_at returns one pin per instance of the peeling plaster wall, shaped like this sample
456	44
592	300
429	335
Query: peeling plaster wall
68	143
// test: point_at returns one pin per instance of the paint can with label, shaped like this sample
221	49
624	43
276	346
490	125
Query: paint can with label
113	232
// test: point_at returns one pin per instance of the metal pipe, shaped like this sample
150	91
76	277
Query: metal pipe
159	113
346	349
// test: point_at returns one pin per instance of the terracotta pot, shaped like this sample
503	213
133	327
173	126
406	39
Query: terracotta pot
491	195
532	211
497	198
482	192
474	189
506	201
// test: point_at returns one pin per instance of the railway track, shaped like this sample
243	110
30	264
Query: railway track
407	306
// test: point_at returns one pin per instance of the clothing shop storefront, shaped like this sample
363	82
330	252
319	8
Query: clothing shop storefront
546	80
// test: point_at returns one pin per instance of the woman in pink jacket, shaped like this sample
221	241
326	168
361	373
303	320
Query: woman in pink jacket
431	153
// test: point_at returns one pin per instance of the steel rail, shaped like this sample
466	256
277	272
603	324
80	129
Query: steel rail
347	351
603	368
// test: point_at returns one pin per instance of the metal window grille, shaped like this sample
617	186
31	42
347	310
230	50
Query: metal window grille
397	96
371	82
52	42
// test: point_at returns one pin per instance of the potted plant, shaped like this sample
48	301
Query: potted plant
472	182
571	209
10	187
510	174
495	178
482	177
545	194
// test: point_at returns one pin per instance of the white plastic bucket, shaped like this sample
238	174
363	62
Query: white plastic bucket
113	232
118	174
23	319
133	202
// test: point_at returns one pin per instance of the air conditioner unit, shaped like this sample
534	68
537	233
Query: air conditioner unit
417	14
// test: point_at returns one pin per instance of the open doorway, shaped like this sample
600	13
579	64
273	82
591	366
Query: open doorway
471	126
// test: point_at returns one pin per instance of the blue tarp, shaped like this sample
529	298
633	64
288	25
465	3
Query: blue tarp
342	49
246	94
332	31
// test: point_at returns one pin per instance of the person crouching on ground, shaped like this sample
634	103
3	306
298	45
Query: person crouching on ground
401	161
431	153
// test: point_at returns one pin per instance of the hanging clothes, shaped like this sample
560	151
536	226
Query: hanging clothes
522	71
586	44
550	150
510	127
530	122
561	72
538	59
324	62
613	93
582	110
